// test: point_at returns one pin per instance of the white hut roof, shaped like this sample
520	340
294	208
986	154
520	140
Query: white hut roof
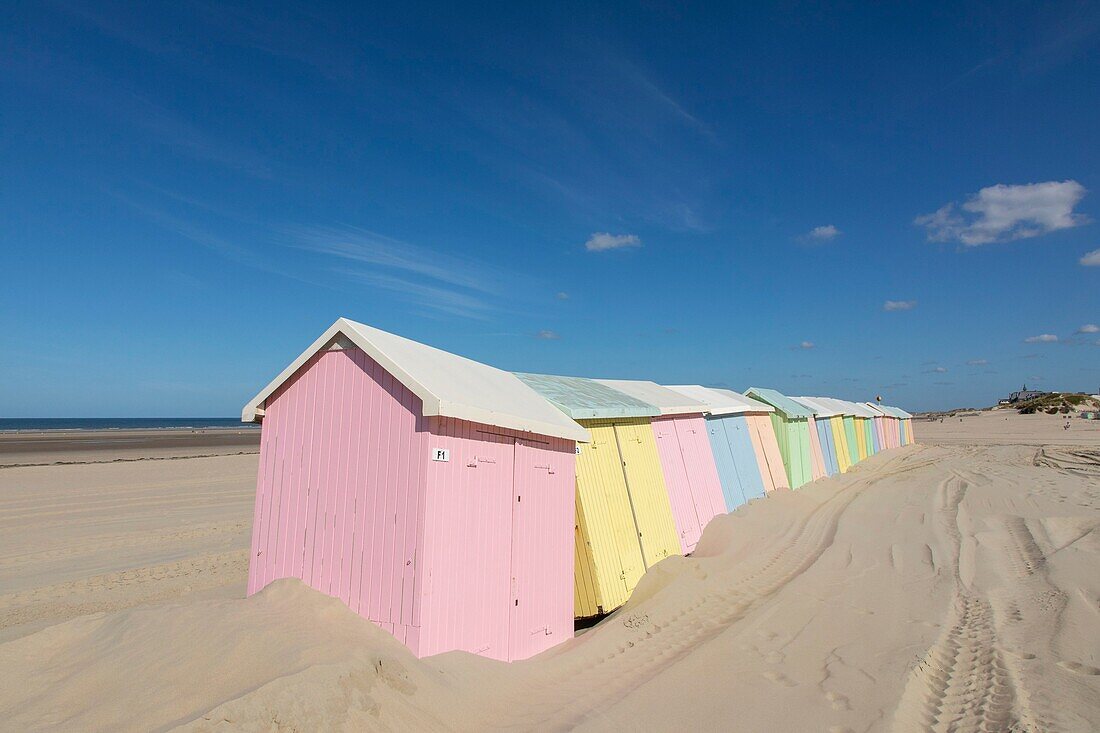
843	407
860	410
668	401
448	385
818	406
721	401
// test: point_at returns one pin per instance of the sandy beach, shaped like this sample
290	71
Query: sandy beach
949	585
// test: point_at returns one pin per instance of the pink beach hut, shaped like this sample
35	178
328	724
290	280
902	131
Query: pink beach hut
742	443
694	489
432	494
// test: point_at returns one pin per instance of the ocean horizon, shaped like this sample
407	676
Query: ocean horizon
23	424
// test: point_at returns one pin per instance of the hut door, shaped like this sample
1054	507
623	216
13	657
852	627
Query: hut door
645	484
542	555
685	505
611	548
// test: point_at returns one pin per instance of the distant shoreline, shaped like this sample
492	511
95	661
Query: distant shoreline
176	428
84	424
46	447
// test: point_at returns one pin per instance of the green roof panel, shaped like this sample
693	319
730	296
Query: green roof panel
581	398
780	402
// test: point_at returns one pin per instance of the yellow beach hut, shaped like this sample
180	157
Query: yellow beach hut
624	516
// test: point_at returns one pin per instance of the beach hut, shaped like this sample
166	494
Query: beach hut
694	489
792	430
881	428
742	442
851	439
907	421
624	521
865	431
890	425
834	421
905	425
430	493
824	432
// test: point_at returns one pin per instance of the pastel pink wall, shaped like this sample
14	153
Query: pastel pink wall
817	458
691	476
880	430
506	553
339	488
766	447
349	500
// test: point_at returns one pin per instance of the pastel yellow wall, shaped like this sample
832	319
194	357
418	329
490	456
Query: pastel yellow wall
624	517
861	437
840	442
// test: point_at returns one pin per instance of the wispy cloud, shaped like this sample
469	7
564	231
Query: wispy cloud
1043	338
1003	213
1088	328
370	248
663	99
602	241
1091	259
431	297
977	362
899	305
562	295
822	233
806	345
430	278
226	246
548	335
936	370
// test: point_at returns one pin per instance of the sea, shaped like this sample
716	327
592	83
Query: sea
14	424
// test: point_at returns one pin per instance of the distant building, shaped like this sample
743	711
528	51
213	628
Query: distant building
1024	395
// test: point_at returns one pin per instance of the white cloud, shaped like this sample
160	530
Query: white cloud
600	241
1089	328
899	305
806	345
1091	259
977	362
562	296
1003	213
547	335
824	233
1043	338
937	370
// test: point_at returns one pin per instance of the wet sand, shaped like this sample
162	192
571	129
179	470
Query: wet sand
103	446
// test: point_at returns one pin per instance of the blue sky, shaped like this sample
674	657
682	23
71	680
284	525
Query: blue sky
896	200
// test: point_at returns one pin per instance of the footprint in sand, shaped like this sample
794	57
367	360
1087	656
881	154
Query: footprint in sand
838	701
780	679
1079	668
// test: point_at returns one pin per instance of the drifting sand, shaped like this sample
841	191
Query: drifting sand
946	586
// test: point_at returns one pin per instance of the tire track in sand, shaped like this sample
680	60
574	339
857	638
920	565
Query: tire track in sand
963	682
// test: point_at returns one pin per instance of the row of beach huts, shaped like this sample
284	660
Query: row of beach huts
460	506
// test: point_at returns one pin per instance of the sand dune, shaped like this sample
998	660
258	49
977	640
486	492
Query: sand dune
945	586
